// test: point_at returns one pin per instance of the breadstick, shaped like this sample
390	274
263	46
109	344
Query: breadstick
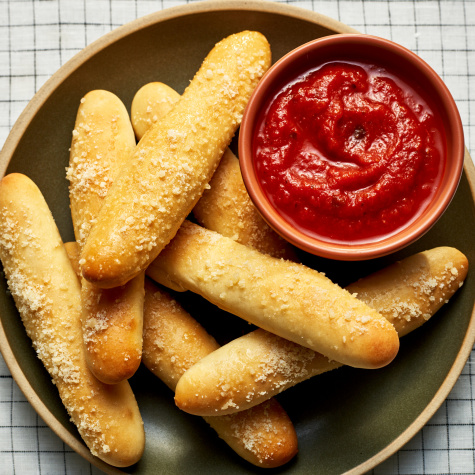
407	293
285	298
225	206
150	104
112	320
47	295
173	342
227	209
410	291
103	140
173	163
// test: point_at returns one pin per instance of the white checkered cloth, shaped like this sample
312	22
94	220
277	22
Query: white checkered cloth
37	37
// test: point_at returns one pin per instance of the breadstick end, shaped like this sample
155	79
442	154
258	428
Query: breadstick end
115	369
263	435
384	350
104	276
14	181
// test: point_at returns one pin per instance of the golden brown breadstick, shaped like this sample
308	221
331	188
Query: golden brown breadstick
410	291
285	298
103	140
112	320
173	342
47	295
225	206
246	372
407	293
113	328
227	209
150	104
173	163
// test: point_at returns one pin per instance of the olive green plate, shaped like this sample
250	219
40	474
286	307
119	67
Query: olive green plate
346	420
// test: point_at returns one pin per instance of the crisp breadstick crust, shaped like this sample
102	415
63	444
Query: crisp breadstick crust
263	435
103	140
407	293
285	298
150	104
173	162
247	372
47	294
115	360
112	323
173	340
225	206
410	291
173	343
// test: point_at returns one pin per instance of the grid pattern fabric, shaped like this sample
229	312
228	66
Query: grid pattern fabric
37	37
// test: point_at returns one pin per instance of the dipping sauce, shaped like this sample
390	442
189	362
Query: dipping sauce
349	152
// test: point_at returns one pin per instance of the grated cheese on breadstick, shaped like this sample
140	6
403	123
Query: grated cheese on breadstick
47	295
112	320
173	163
173	343
225	206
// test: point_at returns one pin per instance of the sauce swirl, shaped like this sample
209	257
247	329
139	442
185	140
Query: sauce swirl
349	152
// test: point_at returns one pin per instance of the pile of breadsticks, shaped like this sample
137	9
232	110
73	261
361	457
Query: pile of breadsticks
93	313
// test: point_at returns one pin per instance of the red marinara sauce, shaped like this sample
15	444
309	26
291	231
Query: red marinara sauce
349	152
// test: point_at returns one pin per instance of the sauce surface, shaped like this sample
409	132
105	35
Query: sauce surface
349	152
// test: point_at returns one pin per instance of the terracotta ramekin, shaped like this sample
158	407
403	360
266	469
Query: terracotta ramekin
407	64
